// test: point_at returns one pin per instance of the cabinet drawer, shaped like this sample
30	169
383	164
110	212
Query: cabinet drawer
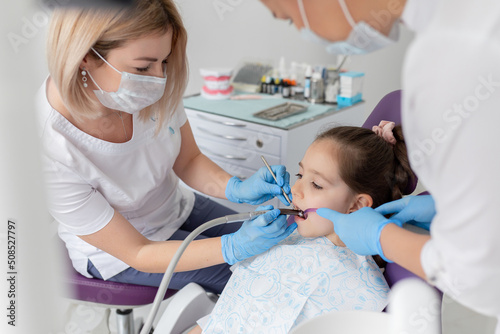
235	155
252	139
241	172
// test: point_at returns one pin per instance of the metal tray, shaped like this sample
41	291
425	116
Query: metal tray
281	111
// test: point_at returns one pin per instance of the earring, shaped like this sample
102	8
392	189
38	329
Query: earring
84	78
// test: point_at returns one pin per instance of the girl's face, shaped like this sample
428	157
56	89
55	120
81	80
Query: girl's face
319	185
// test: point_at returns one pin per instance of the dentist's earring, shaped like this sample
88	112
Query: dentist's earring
84	78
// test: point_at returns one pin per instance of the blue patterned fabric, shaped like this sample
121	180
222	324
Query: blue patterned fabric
298	279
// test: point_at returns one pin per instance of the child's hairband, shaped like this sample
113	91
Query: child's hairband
384	130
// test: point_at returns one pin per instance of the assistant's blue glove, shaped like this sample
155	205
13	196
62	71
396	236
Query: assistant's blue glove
256	236
360	231
260	187
415	210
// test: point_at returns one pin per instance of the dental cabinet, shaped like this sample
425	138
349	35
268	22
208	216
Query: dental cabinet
228	133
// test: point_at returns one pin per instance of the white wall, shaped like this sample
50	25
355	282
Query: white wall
223	32
32	292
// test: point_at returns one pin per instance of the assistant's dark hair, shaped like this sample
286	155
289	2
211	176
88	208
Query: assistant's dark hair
370	165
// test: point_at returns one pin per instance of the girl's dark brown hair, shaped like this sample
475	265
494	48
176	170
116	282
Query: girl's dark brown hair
370	165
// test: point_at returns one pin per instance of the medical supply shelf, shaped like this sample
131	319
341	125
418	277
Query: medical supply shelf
228	133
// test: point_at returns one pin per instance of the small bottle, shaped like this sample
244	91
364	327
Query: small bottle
293	85
307	82
286	88
279	86
317	89
271	86
263	85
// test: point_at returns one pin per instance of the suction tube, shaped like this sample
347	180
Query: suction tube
175	259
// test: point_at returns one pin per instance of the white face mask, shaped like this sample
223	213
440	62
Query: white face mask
362	39
135	93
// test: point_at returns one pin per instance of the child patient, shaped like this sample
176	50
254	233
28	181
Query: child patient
312	272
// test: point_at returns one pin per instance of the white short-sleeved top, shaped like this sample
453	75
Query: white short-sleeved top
451	114
88	178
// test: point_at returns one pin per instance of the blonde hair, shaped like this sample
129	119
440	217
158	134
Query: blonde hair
73	32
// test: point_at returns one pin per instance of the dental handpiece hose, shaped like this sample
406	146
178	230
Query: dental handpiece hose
175	259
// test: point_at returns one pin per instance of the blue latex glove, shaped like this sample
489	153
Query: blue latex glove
260	187
360	231
415	210
256	235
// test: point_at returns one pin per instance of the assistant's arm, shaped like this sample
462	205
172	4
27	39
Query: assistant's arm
120	239
404	247
197	170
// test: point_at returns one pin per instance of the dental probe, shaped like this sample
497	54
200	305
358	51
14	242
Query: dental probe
275	179
162	288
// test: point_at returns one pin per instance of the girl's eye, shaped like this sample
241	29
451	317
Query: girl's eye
316	186
298	175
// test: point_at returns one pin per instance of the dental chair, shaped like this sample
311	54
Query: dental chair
184	308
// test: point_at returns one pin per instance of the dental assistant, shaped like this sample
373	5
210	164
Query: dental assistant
450	113
116	143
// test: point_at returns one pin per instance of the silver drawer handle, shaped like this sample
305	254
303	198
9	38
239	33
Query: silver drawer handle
226	156
239	125
221	136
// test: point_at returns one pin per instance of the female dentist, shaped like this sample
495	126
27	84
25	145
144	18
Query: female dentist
116	142
450	112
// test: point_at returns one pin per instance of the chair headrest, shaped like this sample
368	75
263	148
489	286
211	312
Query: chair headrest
389	109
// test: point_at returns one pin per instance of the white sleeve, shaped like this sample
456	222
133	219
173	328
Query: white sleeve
180	115
451	115
74	203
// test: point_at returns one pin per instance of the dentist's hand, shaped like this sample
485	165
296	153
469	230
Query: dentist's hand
415	210
360	231
256	236
260	187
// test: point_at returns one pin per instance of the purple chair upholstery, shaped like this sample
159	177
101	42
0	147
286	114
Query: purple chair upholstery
110	293
394	273
388	109
120	296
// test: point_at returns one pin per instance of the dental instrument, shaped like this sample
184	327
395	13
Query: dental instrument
276	180
293	212
175	259
302	214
